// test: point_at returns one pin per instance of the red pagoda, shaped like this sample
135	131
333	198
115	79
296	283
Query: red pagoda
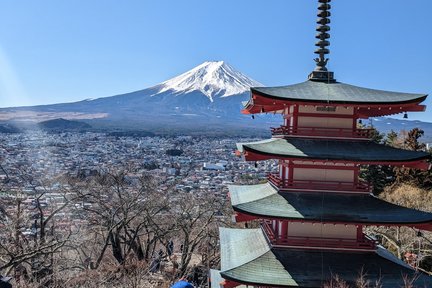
314	210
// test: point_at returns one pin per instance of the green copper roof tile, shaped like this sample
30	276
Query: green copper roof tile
311	91
266	201
331	149
247	193
241	247
264	269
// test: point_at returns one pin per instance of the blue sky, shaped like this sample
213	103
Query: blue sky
62	51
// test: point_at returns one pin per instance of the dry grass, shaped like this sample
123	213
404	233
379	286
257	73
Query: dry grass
409	196
406	239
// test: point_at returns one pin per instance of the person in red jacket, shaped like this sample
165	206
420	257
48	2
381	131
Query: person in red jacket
183	282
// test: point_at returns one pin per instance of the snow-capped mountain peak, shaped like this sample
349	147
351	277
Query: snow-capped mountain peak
212	78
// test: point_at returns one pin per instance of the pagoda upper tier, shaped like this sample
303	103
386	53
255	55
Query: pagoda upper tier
337	151
367	102
267	202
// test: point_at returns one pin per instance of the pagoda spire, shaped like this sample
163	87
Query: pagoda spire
320	72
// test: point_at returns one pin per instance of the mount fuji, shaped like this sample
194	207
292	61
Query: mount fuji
208	95
213	79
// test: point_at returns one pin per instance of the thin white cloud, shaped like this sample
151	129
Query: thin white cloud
12	92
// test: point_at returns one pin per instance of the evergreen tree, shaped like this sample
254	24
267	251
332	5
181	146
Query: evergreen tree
419	178
392	139
379	176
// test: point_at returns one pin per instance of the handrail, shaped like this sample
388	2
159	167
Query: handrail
268	230
322	131
324	242
319	185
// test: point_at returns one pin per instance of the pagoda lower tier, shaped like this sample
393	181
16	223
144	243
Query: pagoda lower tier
248	258
264	201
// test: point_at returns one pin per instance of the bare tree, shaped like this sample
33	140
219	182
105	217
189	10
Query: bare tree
122	213
196	220
29	235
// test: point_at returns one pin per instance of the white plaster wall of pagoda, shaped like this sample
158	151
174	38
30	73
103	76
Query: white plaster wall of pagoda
283	171
323	109
288	121
323	174
324	122
341	231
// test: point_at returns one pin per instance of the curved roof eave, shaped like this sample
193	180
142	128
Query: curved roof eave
303	268
264	201
336	93
324	149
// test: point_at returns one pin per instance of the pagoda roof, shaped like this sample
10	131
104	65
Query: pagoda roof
265	201
281	267
336	93
325	149
368	102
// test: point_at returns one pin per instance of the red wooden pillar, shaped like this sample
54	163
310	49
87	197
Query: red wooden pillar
356	174
290	179
284	230
354	123
287	117
295	119
276	230
281	169
359	233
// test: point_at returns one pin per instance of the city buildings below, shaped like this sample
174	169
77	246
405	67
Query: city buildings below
48	156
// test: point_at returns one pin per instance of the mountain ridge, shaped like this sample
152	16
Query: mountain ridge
208	96
212	91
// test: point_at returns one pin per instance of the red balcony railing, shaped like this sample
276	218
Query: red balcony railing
361	186
322	132
315	242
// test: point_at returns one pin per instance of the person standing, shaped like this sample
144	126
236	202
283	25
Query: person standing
170	248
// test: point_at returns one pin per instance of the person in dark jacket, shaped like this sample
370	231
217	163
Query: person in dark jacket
170	248
4	282
183	283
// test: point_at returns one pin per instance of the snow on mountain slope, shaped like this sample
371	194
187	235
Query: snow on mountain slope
213	79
